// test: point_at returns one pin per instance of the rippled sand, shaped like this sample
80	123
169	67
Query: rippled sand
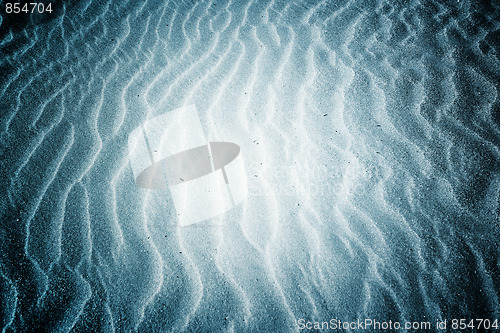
370	134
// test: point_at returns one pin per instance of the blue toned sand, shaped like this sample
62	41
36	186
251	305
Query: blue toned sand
370	133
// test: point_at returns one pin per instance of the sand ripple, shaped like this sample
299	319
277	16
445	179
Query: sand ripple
369	129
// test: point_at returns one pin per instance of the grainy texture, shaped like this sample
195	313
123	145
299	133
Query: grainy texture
370	134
